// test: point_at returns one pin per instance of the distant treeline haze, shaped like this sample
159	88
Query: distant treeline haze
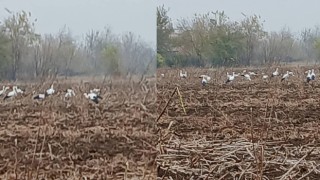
212	39
24	54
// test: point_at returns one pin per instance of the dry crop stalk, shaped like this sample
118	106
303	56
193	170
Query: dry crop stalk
165	107
296	164
41	150
126	171
181	101
261	162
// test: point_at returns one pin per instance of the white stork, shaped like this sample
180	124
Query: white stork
19	90
50	91
250	73
93	97
313	75
291	73
309	78
230	77
204	81
69	93
246	76
285	76
183	75
4	89
11	93
206	77
95	90
275	73
40	96
264	76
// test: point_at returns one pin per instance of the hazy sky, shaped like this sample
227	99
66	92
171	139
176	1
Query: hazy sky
137	16
295	14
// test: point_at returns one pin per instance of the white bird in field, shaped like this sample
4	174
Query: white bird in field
246	76
236	75
309	78
313	75
252	73
275	73
11	93
19	90
95	90
285	76
69	93
264	76
50	91
183	75
291	73
206	77
4	89
162	75
93	97
204	81
40	96
230	77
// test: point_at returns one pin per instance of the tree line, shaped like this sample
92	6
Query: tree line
25	54
212	39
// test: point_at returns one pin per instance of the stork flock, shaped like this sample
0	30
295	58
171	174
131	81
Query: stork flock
247	76
93	95
310	76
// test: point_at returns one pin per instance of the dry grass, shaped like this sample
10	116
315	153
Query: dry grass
242	130
53	139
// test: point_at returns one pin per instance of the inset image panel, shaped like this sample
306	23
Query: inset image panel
78	89
237	89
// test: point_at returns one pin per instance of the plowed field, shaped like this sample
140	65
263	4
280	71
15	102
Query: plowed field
77	139
243	130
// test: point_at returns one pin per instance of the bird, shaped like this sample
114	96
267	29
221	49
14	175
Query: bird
285	76
252	73
4	89
236	75
69	93
230	77
206	77
313	75
50	91
265	77
204	81
11	93
291	73
275	73
95	90
93	97
309	77
162	75
19	90
40	96
183	75
246	76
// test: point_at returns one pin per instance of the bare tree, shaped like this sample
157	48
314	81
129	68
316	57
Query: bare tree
20	31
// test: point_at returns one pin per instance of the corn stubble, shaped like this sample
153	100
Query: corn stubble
241	130
77	139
